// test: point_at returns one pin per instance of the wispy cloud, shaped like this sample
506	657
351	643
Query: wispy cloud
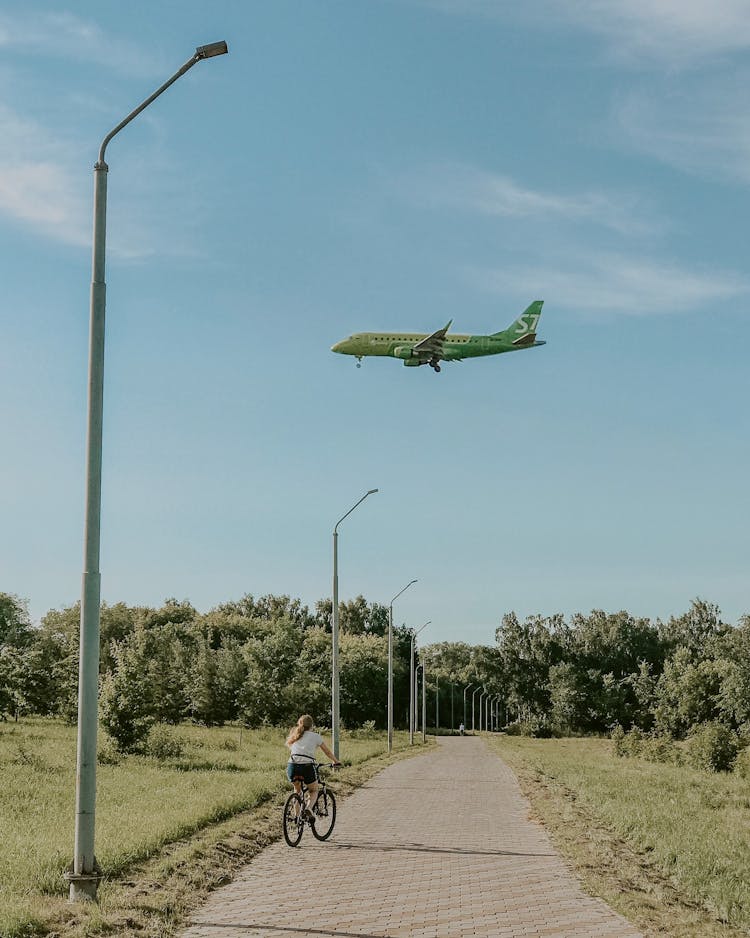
470	189
697	126
673	32
615	283
679	32
64	35
36	186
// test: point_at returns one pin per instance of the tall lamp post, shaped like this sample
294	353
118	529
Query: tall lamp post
390	663
335	696
412	686
437	703
473	695
465	689
85	876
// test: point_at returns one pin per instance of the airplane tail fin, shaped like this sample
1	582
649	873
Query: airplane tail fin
523	330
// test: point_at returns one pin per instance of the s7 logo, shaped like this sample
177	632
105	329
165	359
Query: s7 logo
524	326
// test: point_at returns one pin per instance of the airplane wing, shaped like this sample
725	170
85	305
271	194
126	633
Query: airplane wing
433	344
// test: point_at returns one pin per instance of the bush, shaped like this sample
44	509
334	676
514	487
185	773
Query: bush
162	744
656	748
107	754
742	763
539	729
367	730
712	747
661	749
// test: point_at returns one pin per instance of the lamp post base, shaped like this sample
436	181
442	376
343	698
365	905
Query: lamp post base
83	886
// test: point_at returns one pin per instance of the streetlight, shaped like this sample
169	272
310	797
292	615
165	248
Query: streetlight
419	665
85	875
465	689
335	708
412	688
453	694
390	664
473	695
437	703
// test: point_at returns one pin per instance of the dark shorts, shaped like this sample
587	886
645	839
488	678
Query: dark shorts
301	770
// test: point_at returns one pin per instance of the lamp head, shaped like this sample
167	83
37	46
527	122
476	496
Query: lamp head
372	491
212	49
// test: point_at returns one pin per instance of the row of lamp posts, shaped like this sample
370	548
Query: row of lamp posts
335	683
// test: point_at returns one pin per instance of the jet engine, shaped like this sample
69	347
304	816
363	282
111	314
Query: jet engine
404	352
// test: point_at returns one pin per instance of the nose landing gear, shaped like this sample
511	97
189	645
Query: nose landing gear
359	361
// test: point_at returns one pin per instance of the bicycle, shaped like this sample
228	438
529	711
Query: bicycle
321	816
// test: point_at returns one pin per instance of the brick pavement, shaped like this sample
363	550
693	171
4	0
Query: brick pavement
437	846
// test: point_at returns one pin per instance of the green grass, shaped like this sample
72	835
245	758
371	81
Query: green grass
142	804
689	831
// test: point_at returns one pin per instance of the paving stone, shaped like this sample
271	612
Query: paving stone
437	846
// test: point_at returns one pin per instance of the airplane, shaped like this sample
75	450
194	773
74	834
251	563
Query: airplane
416	349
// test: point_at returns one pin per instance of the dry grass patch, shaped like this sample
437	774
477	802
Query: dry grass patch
666	846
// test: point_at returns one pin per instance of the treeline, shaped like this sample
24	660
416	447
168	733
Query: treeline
265	660
591	673
594	672
259	661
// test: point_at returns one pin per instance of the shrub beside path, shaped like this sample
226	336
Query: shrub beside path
437	846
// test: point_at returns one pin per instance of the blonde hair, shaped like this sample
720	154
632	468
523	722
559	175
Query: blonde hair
304	724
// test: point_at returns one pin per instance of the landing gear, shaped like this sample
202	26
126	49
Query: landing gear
359	361
434	365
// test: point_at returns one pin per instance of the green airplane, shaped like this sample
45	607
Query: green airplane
419	349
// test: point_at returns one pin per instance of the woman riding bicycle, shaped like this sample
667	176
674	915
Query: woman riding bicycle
303	743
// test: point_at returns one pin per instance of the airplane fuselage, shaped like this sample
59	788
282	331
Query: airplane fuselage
400	345
419	348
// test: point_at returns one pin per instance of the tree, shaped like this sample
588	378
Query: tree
364	679
696	630
127	707
15	625
568	698
686	693
734	667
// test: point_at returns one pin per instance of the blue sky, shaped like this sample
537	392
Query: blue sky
387	164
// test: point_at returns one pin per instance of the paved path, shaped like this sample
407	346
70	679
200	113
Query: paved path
438	846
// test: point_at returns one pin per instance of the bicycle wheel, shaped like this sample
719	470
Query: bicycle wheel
325	815
294	826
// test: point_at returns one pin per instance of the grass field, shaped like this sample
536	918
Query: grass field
142	804
667	846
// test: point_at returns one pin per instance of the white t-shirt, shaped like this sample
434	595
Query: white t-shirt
306	745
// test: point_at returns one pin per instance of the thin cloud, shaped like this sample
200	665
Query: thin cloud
473	190
677	33
616	283
36	186
63	35
701	128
